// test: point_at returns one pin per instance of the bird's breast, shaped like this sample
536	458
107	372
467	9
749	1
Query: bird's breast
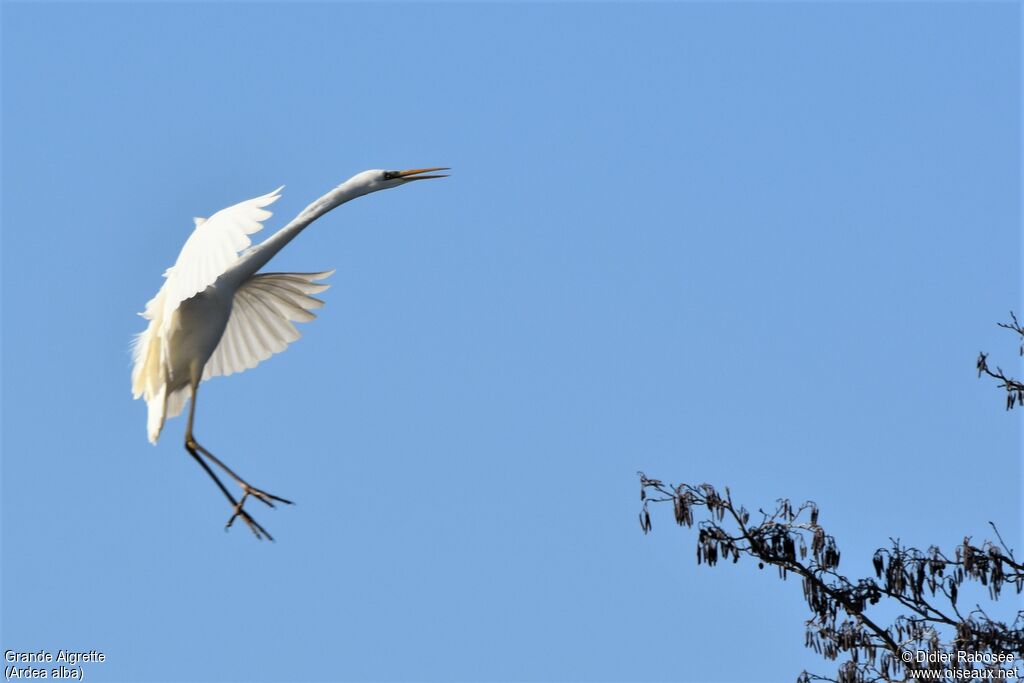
198	326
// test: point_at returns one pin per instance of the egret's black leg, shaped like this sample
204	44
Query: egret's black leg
194	449
246	486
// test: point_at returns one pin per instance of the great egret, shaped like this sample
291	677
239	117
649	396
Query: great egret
216	315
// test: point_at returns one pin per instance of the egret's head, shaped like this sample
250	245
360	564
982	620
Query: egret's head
372	181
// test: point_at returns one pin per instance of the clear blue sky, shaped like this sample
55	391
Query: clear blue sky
758	245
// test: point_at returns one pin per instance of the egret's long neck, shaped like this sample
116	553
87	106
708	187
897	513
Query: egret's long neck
249	264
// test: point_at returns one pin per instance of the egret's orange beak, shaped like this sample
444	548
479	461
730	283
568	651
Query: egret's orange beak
414	173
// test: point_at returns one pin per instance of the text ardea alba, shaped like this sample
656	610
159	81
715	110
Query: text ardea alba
216	315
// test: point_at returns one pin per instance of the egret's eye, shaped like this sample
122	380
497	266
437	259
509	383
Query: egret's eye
390	175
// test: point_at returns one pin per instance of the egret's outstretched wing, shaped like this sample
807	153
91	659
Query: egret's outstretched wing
261	319
210	250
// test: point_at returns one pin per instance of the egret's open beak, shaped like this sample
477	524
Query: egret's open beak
414	173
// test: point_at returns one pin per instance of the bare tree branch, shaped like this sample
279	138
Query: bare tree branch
925	584
1014	388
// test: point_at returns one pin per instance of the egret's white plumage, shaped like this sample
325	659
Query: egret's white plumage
210	250
261	319
216	315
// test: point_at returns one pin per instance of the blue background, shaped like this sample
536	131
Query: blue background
755	245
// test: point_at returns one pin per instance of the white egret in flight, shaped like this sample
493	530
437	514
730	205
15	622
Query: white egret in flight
216	315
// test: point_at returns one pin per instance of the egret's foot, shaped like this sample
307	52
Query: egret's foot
267	498
258	531
239	510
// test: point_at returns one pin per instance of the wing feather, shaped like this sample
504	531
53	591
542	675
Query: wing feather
294	294
211	249
277	325
235	353
265	344
284	306
261	319
245	347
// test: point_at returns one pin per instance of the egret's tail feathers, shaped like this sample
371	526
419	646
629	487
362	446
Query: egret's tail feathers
176	401
157	407
163	406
